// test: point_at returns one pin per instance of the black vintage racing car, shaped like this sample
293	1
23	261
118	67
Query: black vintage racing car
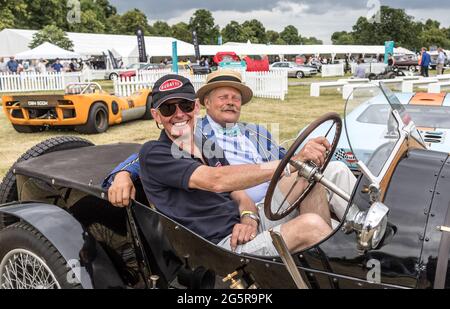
57	229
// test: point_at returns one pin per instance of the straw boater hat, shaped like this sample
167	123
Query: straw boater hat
225	78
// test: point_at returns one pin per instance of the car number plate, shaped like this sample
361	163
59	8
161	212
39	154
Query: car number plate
38	103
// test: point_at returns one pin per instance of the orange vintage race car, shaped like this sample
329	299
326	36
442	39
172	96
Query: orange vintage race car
84	106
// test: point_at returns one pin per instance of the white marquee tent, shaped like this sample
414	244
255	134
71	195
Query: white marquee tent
329	50
47	51
14	41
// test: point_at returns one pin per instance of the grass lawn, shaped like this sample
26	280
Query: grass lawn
288	116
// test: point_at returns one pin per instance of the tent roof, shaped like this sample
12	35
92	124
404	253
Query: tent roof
262	49
88	44
12	43
47	51
15	41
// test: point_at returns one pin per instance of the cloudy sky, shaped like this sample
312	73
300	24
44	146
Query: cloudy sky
319	18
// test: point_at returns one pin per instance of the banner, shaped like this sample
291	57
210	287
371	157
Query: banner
114	63
388	49
141	45
174	57
196	47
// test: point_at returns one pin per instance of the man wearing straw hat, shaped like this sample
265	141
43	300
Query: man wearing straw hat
237	144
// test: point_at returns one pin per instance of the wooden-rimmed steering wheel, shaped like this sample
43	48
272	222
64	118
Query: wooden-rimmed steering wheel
279	173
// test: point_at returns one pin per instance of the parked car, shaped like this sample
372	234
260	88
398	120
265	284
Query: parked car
229	60
84	106
294	69
434	55
114	74
197	69
409	62
57	229
146	67
389	73
367	124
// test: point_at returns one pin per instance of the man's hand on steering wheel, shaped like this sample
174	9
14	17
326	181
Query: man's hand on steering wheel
315	150
318	151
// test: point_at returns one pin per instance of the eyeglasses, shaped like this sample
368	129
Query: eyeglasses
168	110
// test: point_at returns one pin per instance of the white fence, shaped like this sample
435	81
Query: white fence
29	82
329	70
273	85
370	67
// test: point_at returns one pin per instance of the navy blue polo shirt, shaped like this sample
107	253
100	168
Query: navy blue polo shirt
166	183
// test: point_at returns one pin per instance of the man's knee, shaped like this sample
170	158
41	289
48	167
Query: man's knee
313	228
313	221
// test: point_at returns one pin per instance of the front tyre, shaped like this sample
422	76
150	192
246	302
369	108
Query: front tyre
29	261
8	187
299	75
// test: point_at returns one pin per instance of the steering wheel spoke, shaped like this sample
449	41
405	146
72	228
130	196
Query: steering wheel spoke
305	170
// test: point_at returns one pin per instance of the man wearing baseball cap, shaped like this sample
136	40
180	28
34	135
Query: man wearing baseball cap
201	193
237	143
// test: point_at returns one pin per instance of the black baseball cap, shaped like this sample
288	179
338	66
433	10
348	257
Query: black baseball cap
172	86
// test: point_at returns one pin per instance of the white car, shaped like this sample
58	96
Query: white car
114	74
294	69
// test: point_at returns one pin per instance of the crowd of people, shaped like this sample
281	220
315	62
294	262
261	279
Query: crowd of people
14	66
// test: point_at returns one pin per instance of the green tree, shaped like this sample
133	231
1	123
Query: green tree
89	23
254	31
395	26
6	19
203	23
273	37
133	20
310	41
51	34
434	36
105	7
113	24
161	28
290	35
233	32
181	32
10	12
40	13
342	38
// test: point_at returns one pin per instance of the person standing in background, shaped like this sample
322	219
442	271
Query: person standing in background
41	66
440	61
12	65
3	67
425	63
57	66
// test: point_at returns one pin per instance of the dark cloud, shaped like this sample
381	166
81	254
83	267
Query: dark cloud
157	9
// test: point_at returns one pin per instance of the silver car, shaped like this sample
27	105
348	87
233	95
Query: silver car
114	74
294	69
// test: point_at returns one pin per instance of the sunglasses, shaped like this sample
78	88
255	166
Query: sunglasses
168	110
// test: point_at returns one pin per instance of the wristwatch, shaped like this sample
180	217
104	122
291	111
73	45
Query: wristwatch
252	215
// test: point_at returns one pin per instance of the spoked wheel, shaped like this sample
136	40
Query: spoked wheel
22	269
282	211
29	261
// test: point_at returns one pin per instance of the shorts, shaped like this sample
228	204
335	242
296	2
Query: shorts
262	244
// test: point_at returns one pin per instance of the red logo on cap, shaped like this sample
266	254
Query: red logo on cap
170	84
